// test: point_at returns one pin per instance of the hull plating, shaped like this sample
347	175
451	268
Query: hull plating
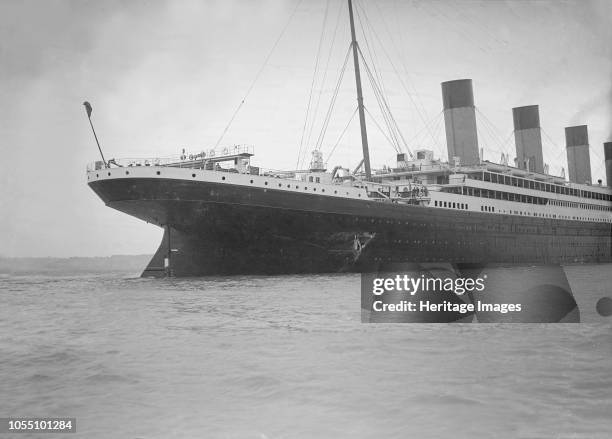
218	228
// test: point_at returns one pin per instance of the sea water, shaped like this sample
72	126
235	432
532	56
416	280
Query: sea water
288	357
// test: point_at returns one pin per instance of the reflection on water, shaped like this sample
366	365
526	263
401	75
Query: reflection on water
287	356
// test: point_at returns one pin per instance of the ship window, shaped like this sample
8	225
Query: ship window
436	203
109	174
493	209
289	186
305	188
251	180
158	173
266	183
193	175
314	189
310	179
318	180
127	172
97	175
222	178
322	190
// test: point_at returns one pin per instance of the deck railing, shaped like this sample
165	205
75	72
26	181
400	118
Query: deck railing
183	160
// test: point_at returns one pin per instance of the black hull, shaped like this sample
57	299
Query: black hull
220	228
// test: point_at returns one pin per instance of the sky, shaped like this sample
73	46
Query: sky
167	75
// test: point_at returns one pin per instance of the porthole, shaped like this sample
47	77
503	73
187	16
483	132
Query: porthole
127	172
289	186
266	183
322	190
305	188
280	185
97	175
158	173
314	189
251	181
109	174
193	175
335	192
222	178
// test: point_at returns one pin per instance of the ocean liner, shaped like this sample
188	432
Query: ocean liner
223	215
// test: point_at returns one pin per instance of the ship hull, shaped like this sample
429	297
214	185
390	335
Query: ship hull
219	228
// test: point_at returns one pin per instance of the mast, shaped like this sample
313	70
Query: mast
362	123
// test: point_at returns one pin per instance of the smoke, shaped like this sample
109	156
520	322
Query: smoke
600	102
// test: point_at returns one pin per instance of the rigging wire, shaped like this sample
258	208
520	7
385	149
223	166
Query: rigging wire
431	125
439	131
393	140
423	118
493	130
341	136
380	129
452	24
561	149
333	101
377	84
316	111
422	111
265	63
489	138
371	52
393	122
314	77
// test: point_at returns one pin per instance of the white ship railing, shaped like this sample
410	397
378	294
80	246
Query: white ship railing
183	160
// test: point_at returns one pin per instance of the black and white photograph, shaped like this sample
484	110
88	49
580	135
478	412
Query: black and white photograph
278	219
